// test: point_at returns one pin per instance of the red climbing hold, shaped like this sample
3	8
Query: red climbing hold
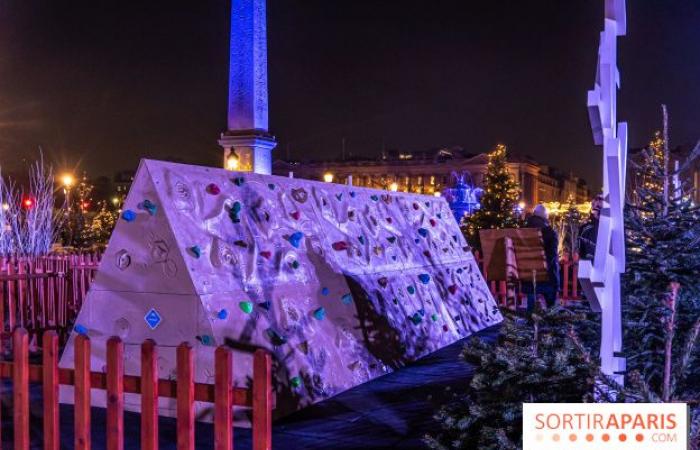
295	215
383	281
426	253
388	219
445	328
433	222
340	246
415	206
452	289
213	189
266	254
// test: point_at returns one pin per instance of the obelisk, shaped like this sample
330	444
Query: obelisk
247	142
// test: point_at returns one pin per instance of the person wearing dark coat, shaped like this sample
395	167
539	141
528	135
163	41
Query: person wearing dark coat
588	234
549	288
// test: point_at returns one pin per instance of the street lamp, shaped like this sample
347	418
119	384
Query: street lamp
328	177
67	180
394	186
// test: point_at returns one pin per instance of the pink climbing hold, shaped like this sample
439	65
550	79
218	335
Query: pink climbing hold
340	246
213	189
295	215
266	254
433	222
452	289
415	206
426	253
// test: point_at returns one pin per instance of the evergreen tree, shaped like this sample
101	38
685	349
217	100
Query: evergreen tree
102	225
661	303
543	360
499	200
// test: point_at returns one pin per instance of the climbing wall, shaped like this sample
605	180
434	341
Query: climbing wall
342	284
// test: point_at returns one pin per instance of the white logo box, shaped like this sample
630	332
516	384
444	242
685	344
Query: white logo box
605	426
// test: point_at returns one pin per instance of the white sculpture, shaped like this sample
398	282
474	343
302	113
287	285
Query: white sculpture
600	278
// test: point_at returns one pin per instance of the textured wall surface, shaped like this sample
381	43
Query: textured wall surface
341	284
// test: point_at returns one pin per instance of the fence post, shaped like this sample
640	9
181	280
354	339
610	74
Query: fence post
185	397
20	388
82	392
115	394
11	295
262	400
50	390
223	427
566	265
574	283
149	396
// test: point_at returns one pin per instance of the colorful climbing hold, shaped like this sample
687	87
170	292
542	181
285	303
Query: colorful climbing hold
295	264
325	291
423	232
205	339
361	239
148	206
295	382
439	216
340	246
271	186
346	299
433	222
434	317
295	215
238	181
276	338
389	220
320	313
80	329
240	243
129	215
339	196
416	240
266	305
391	239
383	281
266	254
452	288
352	194
222	314
416	319
426	253
246	307
424	278
445	328
236	207
411	290
196	251
374	198
415	206
213	189
295	238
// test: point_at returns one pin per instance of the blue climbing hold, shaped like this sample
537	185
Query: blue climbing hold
416	240
295	239
352	194
320	313
346	299
391	239
424	278
374	198
196	251
238	181
423	232
81	329
222	314
325	291
295	382
421	312
271	186
276	338
416	319
207	340
339	196
148	206
129	215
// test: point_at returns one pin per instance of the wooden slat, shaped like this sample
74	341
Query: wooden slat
115	394
149	396
50	390
82	393
20	389
185	397
223	425
262	400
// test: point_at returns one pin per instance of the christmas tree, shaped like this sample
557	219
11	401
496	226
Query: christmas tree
542	360
102	225
499	201
661	305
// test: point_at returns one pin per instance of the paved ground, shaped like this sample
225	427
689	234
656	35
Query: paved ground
393	411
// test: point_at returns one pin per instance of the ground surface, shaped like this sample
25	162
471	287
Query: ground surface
393	411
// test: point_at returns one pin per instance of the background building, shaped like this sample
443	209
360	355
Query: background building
430	172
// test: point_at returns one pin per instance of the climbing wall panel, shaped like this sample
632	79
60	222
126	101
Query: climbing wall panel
342	284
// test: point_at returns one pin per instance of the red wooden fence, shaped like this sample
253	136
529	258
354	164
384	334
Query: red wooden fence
115	383
45	292
568	291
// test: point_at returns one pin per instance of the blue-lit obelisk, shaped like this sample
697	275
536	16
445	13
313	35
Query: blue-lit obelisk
247	142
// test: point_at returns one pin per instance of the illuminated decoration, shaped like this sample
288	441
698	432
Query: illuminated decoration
328	177
5	206
247	125
28	203
600	278
232	161
67	180
463	198
394	186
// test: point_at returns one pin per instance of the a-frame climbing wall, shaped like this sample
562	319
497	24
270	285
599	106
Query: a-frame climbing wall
342	284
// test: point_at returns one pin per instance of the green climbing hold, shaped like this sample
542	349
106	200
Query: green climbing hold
434	317
346	299
411	290
236	207
416	319
246	307
295	382
206	340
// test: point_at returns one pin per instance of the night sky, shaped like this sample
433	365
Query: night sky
100	84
